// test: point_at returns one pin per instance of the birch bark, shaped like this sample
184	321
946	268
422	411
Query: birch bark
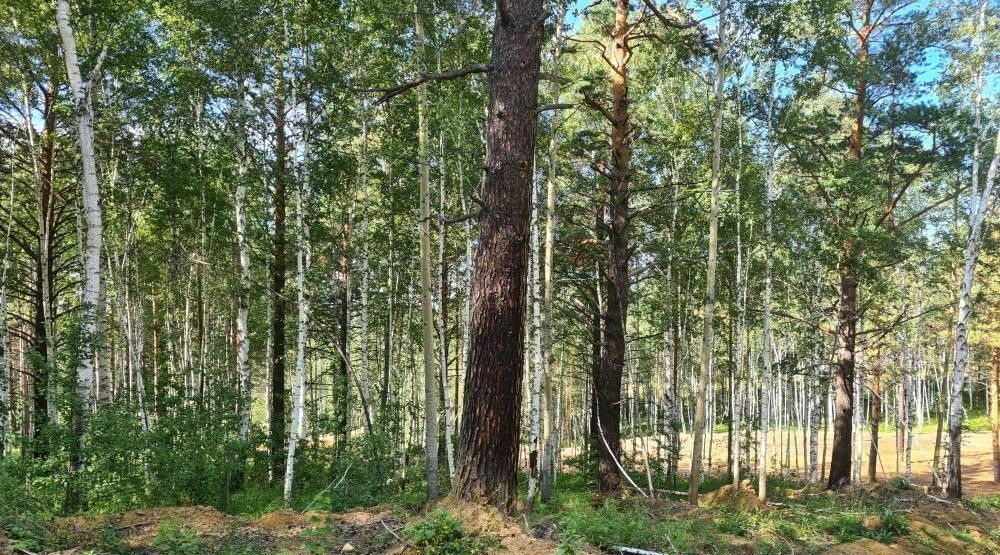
92	211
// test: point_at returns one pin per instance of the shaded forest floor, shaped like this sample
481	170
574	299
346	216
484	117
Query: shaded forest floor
887	518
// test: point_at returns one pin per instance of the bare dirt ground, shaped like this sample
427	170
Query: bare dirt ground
977	457
286	532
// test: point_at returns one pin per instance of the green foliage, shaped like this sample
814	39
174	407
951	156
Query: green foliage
366	463
849	526
324	538
570	543
983	503
444	534
172	538
620	523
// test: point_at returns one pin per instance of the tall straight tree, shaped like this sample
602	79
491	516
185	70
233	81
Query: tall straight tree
608	380
489	441
279	263
82	100
707	333
548	353
768	266
243	313
426	285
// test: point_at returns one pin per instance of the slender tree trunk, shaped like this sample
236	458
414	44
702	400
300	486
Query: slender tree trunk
243	315
875	414
980	205
708	331
487	468
994	406
5	374
769	196
302	265
426	287
366	237
534	440
82	99
548	469
443	332
736	331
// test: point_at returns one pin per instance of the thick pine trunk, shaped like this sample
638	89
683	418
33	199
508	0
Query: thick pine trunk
487	468
843	375
847	317
608	382
875	413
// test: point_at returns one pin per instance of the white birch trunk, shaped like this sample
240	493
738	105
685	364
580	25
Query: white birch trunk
536	382
979	207
298	409
243	313
92	212
548	354
366	237
443	325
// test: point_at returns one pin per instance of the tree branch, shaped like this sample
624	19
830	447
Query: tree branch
420	79
667	21
920	213
558	106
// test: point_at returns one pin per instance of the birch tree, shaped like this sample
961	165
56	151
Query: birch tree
980	204
83	103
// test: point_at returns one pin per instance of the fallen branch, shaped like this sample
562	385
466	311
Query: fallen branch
636	550
136	525
391	531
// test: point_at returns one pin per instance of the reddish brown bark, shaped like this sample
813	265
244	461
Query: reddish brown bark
277	422
847	318
488	452
876	416
608	380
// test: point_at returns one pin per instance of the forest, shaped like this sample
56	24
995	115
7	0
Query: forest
511	276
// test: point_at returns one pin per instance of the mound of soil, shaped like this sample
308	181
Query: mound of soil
866	547
142	524
486	519
744	497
